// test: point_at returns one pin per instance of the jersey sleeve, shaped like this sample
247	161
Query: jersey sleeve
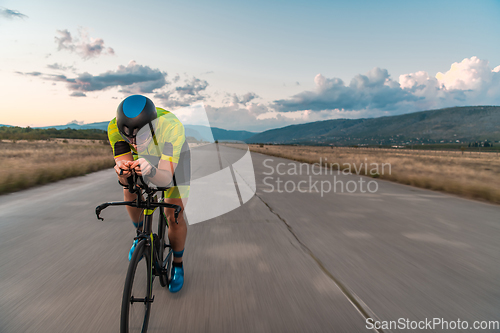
119	146
173	138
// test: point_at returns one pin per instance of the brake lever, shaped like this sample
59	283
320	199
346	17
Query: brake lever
98	210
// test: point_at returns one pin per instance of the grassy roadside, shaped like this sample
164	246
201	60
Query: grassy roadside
471	175
27	164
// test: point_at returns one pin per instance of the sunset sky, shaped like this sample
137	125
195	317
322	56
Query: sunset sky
254	65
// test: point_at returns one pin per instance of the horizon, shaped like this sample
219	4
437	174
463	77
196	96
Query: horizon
257	132
276	66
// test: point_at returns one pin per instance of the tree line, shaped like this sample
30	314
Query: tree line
480	144
28	133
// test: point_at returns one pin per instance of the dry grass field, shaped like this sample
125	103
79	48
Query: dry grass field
472	174
26	164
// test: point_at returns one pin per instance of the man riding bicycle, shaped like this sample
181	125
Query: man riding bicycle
151	142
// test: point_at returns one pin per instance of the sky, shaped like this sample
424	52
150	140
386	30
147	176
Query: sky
254	65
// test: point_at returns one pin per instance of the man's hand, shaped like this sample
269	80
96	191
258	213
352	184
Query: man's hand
122	169
141	166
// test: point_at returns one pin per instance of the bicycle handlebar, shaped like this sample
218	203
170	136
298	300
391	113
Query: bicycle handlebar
133	187
136	204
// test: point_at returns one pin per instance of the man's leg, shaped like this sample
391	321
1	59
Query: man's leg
136	214
177	233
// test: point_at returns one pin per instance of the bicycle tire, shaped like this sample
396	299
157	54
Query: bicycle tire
164	253
138	285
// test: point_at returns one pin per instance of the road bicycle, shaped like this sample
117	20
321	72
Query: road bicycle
152	255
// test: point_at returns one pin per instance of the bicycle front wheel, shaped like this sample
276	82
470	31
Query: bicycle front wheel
164	252
137	294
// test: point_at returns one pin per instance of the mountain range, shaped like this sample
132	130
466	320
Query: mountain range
457	124
200	133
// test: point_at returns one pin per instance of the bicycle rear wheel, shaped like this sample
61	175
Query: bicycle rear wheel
137	294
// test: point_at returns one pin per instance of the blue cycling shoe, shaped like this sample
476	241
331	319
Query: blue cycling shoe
177	279
132	249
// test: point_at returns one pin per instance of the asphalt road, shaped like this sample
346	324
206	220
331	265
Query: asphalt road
283	262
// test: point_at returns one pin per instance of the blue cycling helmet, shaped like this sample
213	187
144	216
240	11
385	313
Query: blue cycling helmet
132	114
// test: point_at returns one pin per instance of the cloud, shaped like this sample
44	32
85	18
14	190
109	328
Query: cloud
245	99
11	14
183	95
59	67
84	46
374	90
470	74
257	108
258	117
170	100
132	78
192	87
233	117
469	82
64	41
30	73
76	122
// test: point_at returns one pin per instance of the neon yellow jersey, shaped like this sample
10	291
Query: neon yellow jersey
171	138
172	146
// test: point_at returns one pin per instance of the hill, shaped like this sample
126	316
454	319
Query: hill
201	133
222	134
103	125
457	124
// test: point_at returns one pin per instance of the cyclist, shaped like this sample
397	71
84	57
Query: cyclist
151	141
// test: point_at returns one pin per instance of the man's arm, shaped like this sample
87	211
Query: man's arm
161	176
166	170
123	166
171	137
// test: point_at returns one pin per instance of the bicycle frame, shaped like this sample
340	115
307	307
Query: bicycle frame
150	247
149	205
